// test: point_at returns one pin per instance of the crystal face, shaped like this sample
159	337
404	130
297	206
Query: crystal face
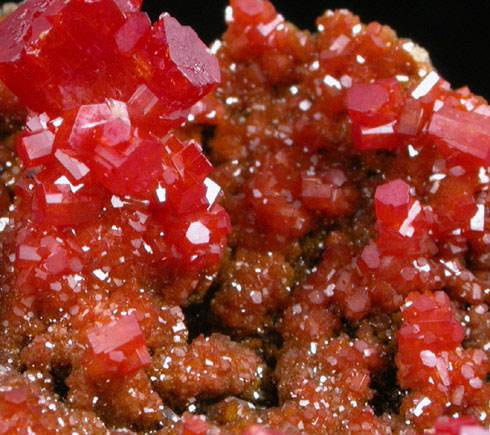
117	349
374	110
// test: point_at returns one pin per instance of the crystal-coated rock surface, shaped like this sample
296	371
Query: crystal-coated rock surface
96	147
329	276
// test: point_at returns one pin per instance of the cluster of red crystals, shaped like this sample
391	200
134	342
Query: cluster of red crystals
353	175
301	114
383	118
403	223
159	70
258	23
98	152
86	145
26	407
118	348
431	361
286	192
97	147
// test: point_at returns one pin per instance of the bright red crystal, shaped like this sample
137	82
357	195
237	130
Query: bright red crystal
392	202
116	349
374	109
35	149
160	72
133	167
195	425
196	240
57	201
404	224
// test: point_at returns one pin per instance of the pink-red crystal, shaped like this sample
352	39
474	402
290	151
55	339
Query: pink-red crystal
463	134
458	426
392	202
374	110
117	349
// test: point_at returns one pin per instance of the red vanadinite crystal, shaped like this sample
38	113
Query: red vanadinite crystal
258	22
194	425
403	223
462	133
392	202
118	348
458	426
374	109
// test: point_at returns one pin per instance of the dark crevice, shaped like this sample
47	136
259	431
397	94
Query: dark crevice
269	396
273	342
59	375
207	135
202	406
349	329
487	379
388	395
199	318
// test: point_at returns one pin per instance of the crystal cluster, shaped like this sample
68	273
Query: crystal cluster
430	358
383	118
97	143
357	156
160	71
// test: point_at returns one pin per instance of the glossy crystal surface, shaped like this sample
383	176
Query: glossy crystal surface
117	349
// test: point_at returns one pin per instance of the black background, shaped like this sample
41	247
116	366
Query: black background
456	35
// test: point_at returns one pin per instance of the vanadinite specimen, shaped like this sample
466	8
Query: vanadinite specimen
352	293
